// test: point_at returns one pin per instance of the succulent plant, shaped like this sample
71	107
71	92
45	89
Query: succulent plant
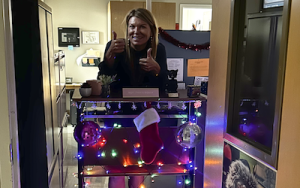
106	80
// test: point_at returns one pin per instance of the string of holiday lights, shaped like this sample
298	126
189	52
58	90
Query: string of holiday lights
189	165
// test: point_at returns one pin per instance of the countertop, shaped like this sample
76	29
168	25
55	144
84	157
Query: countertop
182	97
73	86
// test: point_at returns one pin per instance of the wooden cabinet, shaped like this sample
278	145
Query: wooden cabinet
117	10
165	15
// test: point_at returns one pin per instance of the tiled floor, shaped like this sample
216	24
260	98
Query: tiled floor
71	163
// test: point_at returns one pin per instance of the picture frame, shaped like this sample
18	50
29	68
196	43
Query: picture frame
68	37
90	37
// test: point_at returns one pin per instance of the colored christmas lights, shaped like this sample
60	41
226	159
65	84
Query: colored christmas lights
198	114
187	181
108	106
158	105
94	106
113	153
137	145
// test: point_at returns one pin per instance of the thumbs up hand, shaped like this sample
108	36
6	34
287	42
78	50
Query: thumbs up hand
149	64
116	46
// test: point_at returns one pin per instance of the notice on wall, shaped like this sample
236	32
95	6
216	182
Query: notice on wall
199	79
176	64
197	67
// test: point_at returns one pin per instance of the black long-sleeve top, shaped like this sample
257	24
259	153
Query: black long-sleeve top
129	75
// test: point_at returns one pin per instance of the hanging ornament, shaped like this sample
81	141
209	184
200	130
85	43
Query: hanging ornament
197	104
158	105
189	135
183	106
133	106
119	105
108	106
266	103
194	47
145	104
87	133
169	105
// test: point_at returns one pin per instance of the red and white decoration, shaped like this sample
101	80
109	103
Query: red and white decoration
194	47
147	126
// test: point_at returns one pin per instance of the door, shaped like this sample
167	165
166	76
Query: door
165	14
52	81
10	171
117	12
46	87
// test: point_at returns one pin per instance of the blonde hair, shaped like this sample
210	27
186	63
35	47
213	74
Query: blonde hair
147	17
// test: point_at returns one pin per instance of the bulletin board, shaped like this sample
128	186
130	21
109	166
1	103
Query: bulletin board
188	37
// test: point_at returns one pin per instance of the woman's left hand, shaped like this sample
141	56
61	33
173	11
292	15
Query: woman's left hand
149	64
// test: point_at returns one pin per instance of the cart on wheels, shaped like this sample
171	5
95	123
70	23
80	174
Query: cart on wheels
116	150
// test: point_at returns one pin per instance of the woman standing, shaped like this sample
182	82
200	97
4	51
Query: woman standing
139	60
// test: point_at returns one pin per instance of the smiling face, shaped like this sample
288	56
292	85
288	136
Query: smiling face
139	33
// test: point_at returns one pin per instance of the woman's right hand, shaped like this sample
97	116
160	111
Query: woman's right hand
116	46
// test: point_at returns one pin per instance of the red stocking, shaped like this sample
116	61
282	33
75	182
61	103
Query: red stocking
147	125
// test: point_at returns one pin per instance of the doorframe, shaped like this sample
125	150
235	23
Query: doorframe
11	92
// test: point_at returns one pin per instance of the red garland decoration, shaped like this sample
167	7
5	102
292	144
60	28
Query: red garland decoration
195	47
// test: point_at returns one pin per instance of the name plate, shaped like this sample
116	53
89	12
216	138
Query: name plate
140	92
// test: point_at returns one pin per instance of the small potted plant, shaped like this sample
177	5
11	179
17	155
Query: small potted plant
106	81
85	90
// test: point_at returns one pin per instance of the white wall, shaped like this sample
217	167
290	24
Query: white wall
5	165
89	15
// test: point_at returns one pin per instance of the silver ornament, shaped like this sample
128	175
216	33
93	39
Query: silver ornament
189	135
